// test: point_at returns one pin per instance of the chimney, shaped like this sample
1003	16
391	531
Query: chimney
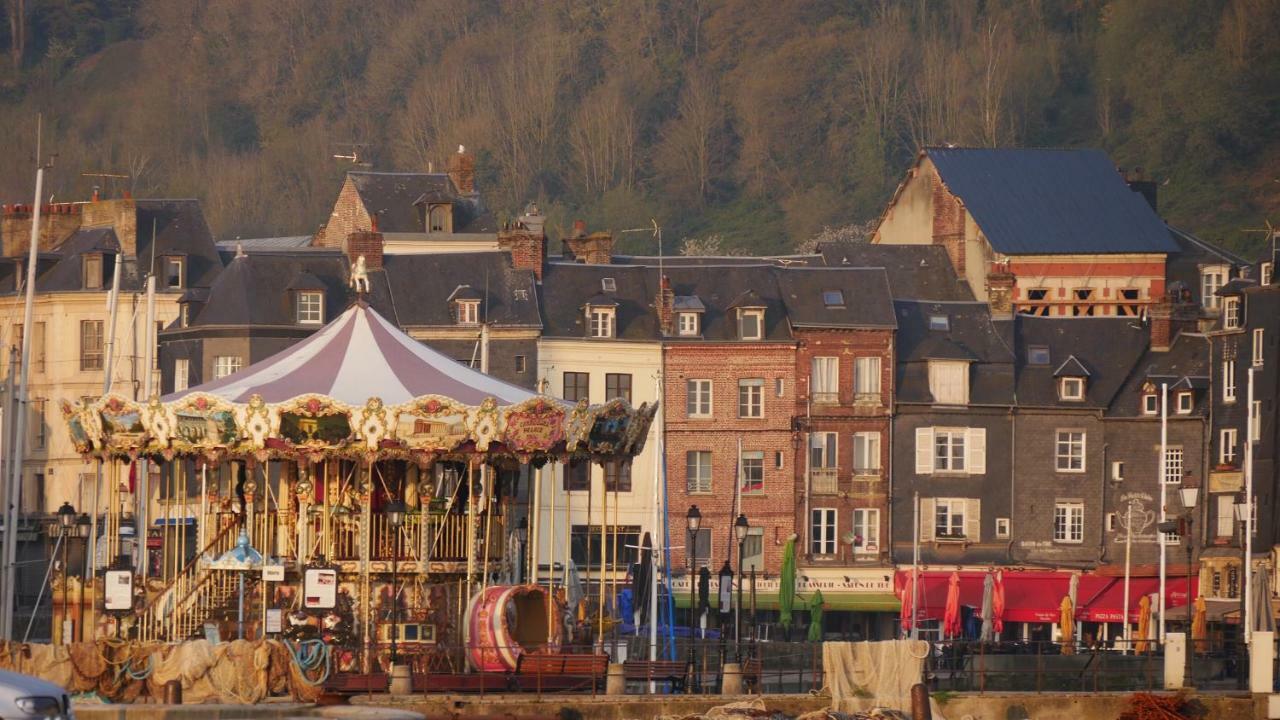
368	243
1172	315
948	224
1000	284
462	170
664	303
528	248
593	249
579	228
1138	183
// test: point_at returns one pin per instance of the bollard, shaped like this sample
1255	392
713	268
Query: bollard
920	709
401	680
1175	659
731	684
615	682
1262	662
173	692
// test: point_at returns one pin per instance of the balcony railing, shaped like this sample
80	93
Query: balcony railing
824	481
421	537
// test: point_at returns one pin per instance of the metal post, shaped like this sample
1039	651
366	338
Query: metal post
693	647
1162	477
67	622
737	610
1189	680
395	599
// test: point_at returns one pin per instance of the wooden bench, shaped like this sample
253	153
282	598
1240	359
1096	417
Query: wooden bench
675	672
560	671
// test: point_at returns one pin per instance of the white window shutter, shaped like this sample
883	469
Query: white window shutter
927	512
976	447
973	520
924	451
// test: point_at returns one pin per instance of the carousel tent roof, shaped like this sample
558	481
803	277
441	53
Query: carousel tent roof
357	356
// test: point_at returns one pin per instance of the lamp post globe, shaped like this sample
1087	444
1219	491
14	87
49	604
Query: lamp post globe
693	518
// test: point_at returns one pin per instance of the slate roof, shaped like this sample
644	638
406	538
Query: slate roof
915	272
252	289
867	302
1042	201
721	291
392	197
418	287
67	273
1185	363
985	343
568	287
1101	349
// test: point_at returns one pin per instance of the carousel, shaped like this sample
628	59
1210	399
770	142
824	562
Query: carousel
358	489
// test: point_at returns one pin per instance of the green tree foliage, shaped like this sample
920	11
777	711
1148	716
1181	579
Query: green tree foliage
757	123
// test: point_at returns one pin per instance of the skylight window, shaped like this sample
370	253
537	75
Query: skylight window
939	322
1037	355
608	285
833	298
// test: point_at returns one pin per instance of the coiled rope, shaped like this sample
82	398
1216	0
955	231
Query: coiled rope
309	655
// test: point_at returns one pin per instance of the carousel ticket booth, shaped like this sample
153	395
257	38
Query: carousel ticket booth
358	489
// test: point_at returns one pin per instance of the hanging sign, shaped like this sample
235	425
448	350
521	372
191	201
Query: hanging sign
118	596
273	573
274	619
320	589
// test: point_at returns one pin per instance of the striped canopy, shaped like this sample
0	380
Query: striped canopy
357	356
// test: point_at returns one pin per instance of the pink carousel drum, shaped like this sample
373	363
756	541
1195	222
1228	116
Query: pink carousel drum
505	621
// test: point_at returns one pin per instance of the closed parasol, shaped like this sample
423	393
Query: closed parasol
1144	624
907	597
951	614
815	617
997	604
787	585
988	590
1200	625
1067	625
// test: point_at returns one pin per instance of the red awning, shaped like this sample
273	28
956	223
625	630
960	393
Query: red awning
1100	599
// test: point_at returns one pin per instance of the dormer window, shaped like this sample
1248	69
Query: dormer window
949	382
939	322
171	276
184	315
1211	279
310	308
1071	388
833	298
468	312
608	285
1231	313
92	271
600	321
1264	274
439	219
1150	401
1185	402
687	324
750	323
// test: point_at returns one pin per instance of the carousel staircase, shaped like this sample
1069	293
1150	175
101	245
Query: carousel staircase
193	596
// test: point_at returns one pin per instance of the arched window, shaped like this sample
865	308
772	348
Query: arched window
438	221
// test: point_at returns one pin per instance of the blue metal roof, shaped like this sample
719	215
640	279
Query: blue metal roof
1032	201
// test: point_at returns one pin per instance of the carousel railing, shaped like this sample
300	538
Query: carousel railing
439	537
180	608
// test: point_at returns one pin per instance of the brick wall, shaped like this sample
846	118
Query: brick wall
57	223
368	244
120	214
348	216
528	249
725	364
948	223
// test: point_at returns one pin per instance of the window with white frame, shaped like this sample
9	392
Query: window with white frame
826	380
951	450
92	266
753	550
1071	388
866	526
1184	401
751	398
866	453
1257	347
1150	404
181	374
91	344
687	324
468	312
1231	313
949	517
310	308
823	450
1211	279
1255	415
698	398
697	471
1228	381
1225	515
750	324
822	531
1264	274
1173	465
1227	440
949	382
1002	528
224	365
173	272
866	379
779	387
600	321
1068	522
1069	451
751	471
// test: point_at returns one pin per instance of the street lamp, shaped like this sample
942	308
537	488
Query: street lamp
740	528
66	528
394	512
1243	511
693	521
522	536
1189	497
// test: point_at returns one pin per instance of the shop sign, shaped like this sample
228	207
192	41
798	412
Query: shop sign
320	588
840	580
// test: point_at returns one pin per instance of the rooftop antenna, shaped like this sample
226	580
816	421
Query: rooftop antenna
112	176
354	156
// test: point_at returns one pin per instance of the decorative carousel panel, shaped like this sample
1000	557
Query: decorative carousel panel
638	430
485	423
122	428
74	416
159	422
314	421
580	422
374	425
432	423
609	431
203	421
536	425
259	421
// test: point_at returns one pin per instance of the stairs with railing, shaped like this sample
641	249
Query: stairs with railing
193	595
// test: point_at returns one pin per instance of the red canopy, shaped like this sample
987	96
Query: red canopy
1100	598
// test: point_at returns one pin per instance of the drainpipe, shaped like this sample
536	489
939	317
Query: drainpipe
1102	526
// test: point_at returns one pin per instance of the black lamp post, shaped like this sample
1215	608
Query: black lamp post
394	511
1189	497
522	535
693	521
1243	510
66	529
724	595
740	528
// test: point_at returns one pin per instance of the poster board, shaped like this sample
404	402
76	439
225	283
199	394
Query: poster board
118	594
320	589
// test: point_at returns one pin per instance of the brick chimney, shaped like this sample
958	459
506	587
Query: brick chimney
121	215
462	170
528	249
593	249
948	224
368	243
1172	315
664	303
57	223
1000	284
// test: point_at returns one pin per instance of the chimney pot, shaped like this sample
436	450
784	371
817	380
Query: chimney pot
579	228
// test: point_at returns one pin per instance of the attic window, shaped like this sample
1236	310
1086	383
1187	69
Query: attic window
1264	274
1231	313
750	324
93	272
1150	403
608	285
600	321
687	324
438	219
1037	355
1071	388
939	322
172	273
468	312
833	298
1185	401
310	308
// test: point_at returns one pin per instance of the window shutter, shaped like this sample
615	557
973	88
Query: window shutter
927	512
973	520
924	451
976	447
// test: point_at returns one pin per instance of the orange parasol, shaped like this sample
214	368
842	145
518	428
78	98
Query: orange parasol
1200	625
951	614
1144	623
1067	625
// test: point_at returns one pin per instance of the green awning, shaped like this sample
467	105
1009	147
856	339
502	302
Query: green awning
834	601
